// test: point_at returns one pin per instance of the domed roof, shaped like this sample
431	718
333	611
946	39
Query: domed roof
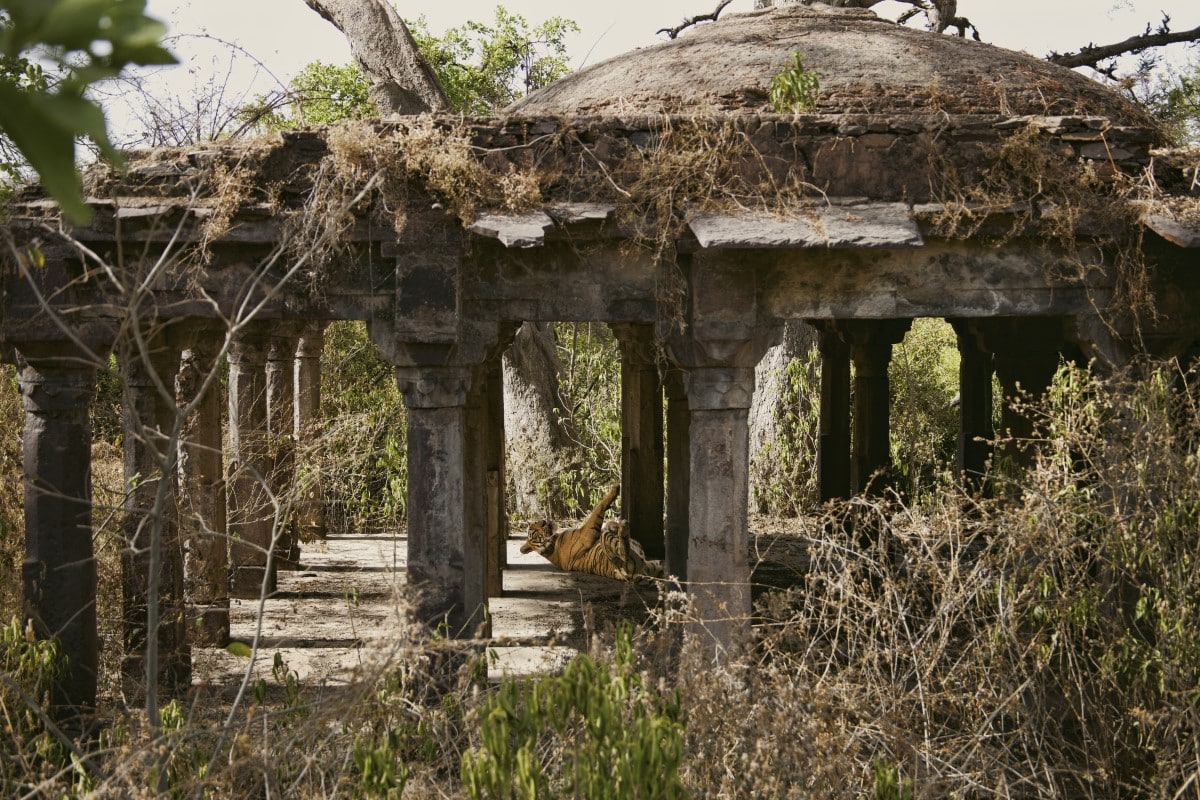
866	65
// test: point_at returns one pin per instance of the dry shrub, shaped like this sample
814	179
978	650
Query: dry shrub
1042	647
1089	214
385	168
12	490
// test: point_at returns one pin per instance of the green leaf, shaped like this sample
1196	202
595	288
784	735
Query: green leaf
239	649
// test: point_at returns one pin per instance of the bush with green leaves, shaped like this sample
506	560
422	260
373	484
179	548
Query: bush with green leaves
593	731
82	42
360	454
924	422
796	88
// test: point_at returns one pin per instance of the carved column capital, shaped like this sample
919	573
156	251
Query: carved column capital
55	392
719	388
434	387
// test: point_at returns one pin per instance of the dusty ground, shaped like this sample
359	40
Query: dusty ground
331	618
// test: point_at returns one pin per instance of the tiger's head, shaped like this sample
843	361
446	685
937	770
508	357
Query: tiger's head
540	537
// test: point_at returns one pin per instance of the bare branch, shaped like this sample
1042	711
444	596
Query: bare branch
690	21
1092	55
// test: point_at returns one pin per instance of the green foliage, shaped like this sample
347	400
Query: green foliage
360	455
29	667
320	94
924	378
795	89
591	384
84	41
616	737
12	492
380	773
1178	105
483	67
889	784
790	469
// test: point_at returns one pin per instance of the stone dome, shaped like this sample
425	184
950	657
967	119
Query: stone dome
866	65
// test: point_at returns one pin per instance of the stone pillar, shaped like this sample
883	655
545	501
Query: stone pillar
718	568
311	516
152	556
202	489
477	443
679	418
641	437
281	428
496	480
60	569
833	445
871	351
1026	354
251	515
446	561
975	431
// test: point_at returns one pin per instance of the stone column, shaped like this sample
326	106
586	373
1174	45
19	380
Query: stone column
251	515
679	418
202	489
718	569
641	437
311	516
1026	354
476	443
975	431
281	429
60	569
445	560
497	519
871	351
152	556
833	446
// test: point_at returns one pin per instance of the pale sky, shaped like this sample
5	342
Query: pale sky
284	35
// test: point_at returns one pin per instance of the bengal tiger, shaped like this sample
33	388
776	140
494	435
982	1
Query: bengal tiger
598	549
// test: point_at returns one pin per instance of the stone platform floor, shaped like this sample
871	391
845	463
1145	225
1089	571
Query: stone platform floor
331	618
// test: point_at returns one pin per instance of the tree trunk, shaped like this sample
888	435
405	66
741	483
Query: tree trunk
401	81
539	427
778	437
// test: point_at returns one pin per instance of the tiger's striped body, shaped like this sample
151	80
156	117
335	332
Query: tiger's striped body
600	549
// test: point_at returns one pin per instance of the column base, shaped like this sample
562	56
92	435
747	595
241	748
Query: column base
208	626
247	583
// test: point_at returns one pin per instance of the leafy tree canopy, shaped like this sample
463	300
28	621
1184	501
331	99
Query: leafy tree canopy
482	68
485	67
79	42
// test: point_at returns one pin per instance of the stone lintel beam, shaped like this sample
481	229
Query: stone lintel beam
429	289
519	231
59	571
1174	231
868	225
641	436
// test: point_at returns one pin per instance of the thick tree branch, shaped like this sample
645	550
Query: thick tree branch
401	81
690	21
1092	55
